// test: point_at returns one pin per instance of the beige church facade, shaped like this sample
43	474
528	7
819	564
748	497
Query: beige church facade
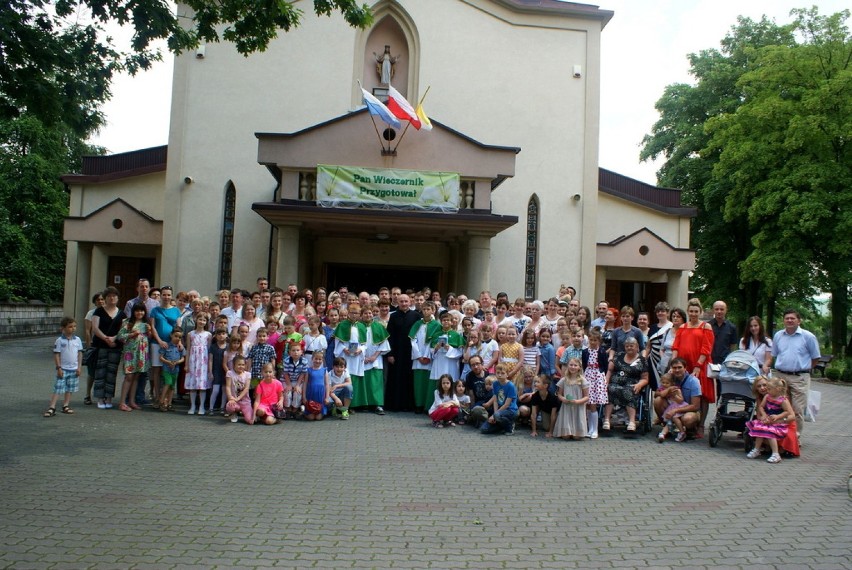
513	91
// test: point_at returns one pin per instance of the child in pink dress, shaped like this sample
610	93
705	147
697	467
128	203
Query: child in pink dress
268	396
772	422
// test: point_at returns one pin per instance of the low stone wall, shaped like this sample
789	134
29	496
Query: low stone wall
30	319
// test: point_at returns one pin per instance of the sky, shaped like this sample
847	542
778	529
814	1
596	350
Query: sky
644	49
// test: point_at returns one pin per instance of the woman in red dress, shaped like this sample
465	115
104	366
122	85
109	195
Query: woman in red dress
694	343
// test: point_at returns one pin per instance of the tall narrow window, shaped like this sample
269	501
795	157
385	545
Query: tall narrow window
530	265
226	255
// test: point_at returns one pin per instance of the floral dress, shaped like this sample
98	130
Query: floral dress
134	355
197	361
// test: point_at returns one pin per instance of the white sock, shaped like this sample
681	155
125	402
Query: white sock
592	421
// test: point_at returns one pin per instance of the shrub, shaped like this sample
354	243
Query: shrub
832	373
846	375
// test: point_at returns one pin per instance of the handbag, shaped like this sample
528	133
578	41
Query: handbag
312	407
90	356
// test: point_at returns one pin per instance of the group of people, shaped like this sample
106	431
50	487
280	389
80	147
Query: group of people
279	353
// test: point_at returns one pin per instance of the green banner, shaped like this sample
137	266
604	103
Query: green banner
353	187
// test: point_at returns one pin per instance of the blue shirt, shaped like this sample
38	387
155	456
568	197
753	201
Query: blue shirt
547	362
259	355
794	352
172	353
690	388
506	391
164	321
619	335
571	352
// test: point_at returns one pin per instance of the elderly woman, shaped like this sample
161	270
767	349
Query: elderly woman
625	379
106	324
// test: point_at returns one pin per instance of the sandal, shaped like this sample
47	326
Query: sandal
87	401
605	425
124	407
50	412
774	458
67	410
631	426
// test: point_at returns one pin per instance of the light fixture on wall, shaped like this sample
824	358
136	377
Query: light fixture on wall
578	71
200	51
188	180
576	197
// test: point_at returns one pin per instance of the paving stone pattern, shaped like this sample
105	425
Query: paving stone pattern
108	489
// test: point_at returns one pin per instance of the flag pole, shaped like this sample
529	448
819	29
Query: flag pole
377	133
409	122
381	144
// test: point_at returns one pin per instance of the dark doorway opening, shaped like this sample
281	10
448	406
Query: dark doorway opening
124	272
640	295
371	278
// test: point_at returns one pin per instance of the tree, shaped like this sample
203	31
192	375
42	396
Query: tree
760	144
785	154
55	72
680	136
59	69
33	205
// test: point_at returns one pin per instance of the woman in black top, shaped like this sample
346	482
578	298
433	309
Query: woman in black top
106	322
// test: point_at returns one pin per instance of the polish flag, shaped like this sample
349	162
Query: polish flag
401	108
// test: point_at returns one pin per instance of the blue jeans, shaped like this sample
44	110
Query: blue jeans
504	421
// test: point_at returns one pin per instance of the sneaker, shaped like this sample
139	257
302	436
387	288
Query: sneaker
226	415
335	412
681	437
437	424
234	419
344	415
774	458
510	431
753	454
202	412
594	435
661	438
108	405
211	412
191	412
101	406
631	426
380	411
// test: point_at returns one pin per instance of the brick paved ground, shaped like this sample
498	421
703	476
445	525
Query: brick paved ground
108	489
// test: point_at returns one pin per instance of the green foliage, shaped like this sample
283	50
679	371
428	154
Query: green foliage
56	61
846	375
56	65
761	145
33	205
832	373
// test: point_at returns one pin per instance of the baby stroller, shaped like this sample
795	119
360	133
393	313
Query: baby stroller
735	404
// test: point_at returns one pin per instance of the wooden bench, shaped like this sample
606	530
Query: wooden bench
823	361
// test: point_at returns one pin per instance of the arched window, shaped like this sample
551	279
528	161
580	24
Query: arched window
226	254
531	263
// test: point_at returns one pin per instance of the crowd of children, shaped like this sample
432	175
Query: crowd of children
487	366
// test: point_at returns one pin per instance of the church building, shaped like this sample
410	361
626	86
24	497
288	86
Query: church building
275	167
